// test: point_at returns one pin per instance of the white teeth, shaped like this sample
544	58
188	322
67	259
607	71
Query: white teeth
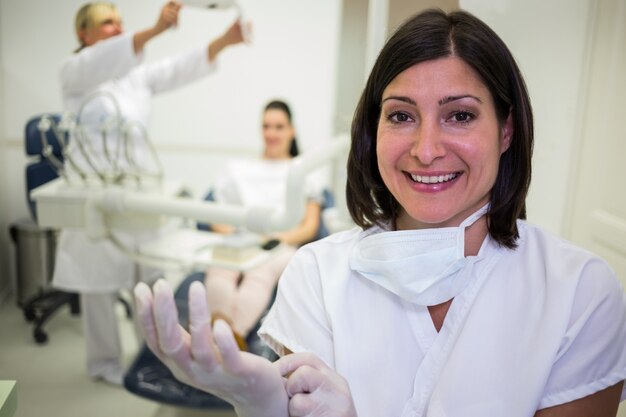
433	179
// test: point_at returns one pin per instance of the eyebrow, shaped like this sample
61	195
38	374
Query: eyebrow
441	102
454	98
400	98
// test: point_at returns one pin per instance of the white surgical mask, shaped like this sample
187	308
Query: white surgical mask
421	266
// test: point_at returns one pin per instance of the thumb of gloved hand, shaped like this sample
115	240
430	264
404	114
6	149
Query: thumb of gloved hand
314	389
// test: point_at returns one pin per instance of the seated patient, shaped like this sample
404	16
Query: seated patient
241	297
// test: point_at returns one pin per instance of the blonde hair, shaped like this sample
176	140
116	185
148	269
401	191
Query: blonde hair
91	15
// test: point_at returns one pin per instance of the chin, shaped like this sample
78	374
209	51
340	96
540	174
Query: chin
428	219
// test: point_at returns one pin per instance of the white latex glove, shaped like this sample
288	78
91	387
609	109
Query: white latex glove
206	358
314	389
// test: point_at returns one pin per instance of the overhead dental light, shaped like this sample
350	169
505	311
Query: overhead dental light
211	4
220	5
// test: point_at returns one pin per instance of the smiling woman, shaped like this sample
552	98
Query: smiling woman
453	106
438	149
446	297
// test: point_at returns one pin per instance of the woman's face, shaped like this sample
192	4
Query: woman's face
110	25
439	143
277	134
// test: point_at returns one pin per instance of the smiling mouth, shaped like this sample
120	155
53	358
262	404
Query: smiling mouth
433	179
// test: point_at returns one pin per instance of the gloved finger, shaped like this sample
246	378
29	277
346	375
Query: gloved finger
227	346
171	335
305	379
302	405
289	363
202	346
145	316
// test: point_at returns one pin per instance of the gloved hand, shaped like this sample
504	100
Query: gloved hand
206	358
314	389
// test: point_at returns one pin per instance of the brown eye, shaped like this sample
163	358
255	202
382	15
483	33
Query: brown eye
399	117
462	117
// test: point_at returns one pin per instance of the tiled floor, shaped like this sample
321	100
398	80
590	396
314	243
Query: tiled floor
52	381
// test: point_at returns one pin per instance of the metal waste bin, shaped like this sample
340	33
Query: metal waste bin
35	249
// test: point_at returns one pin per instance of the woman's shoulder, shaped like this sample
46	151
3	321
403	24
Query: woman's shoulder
332	249
122	45
533	238
555	259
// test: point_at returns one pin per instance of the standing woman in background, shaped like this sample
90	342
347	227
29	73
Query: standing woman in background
109	60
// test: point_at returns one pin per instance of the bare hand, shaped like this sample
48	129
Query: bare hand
169	16
206	358
235	33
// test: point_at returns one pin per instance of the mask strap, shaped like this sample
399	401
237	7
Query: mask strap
474	217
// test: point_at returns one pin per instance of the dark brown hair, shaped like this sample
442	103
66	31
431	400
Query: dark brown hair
433	34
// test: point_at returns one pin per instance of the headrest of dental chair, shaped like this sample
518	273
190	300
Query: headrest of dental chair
33	141
41	171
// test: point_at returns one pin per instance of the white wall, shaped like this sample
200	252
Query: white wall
293	56
548	41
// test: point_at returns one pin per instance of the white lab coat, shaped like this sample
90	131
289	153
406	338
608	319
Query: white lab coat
111	66
538	326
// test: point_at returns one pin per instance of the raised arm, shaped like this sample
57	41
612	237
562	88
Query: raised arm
109	54
232	36
167	18
189	65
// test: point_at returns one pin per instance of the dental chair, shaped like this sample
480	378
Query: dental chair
40	307
148	377
43	166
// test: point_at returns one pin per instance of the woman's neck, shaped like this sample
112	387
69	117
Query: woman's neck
475	236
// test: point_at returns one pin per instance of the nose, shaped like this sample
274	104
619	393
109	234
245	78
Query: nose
428	142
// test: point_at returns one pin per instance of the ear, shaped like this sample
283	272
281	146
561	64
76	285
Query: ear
506	134
82	36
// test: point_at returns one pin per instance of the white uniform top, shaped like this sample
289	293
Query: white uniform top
260	182
112	66
538	326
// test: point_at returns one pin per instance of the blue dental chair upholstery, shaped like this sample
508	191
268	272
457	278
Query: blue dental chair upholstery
42	306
